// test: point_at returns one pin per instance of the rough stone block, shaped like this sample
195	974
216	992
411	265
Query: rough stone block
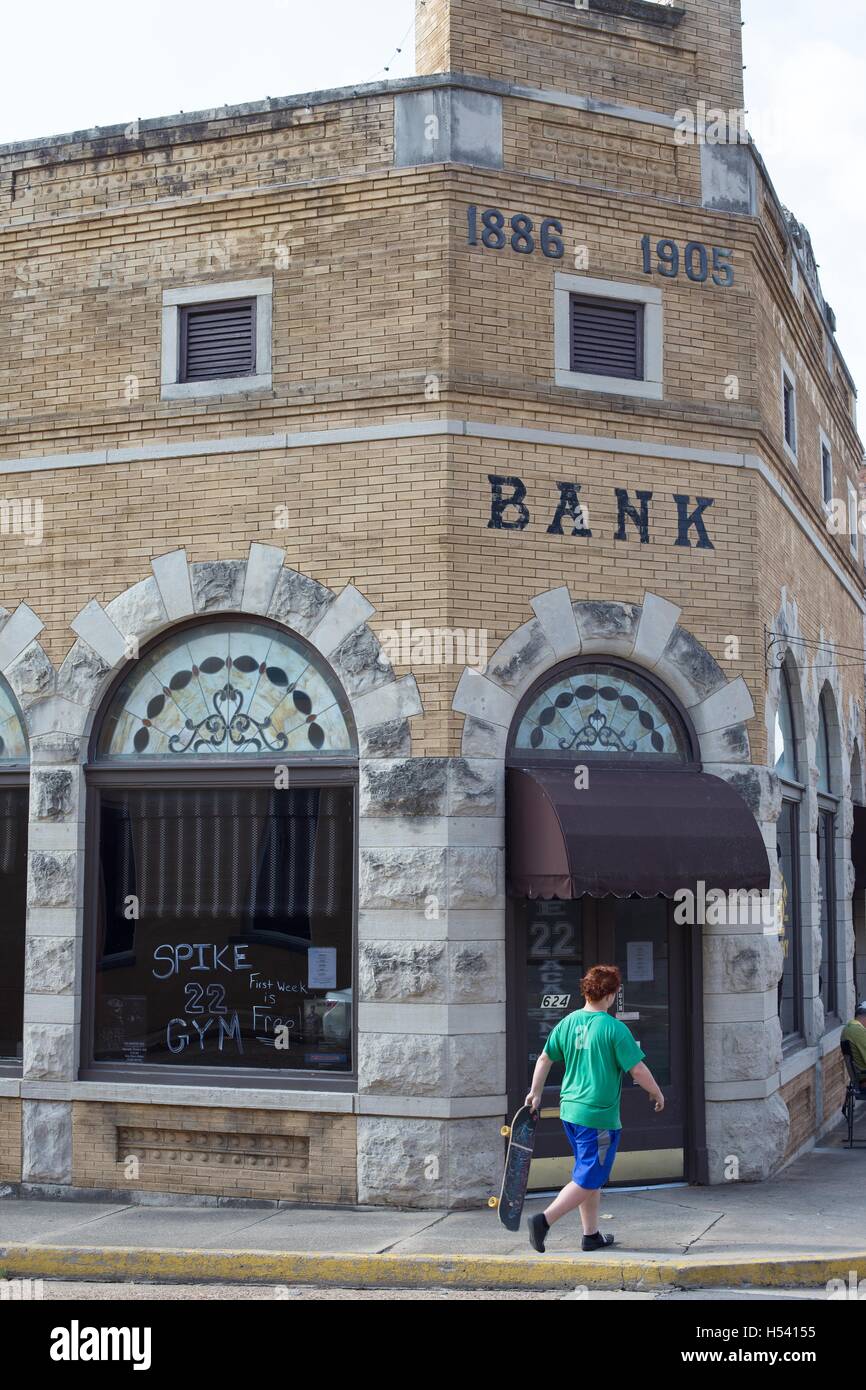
403	970
401	878
46	1133
408	1064
49	965
754	1133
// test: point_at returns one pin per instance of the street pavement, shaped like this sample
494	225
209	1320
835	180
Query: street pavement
735	1235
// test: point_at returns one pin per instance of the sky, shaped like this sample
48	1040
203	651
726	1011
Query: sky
98	62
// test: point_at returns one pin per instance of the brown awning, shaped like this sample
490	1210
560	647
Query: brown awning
858	847
643	831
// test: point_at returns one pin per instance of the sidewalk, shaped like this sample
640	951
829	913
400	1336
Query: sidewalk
797	1230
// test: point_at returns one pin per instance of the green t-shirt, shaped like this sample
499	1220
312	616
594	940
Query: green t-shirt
855	1034
596	1050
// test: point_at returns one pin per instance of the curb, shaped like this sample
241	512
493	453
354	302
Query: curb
121	1263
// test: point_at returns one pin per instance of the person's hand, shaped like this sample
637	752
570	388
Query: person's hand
658	1103
533	1100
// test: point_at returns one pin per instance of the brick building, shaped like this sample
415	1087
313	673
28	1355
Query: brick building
426	560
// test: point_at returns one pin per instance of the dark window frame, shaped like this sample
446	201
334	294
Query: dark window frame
826	474
307	770
794	1039
600	302
186	310
789	410
829	987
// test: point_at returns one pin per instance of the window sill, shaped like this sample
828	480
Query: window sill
214	1096
610	385
207	390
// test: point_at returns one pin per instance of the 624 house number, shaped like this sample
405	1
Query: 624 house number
695	259
490	228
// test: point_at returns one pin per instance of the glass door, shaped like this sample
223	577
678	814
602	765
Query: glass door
551	945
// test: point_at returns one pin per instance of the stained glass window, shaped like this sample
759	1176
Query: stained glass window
602	709
223	689
13	741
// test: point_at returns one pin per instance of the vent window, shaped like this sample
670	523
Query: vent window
607	337
218	340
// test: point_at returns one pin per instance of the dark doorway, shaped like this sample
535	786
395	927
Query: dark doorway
551	945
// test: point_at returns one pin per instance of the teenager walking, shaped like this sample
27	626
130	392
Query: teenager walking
597	1051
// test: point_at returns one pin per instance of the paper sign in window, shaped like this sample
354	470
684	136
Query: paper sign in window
640	964
322	966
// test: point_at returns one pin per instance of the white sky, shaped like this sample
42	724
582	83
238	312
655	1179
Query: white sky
73	64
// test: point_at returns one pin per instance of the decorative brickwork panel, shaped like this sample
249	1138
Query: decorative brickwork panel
288	1156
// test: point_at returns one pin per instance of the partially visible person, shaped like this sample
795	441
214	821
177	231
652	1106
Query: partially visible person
597	1051
855	1033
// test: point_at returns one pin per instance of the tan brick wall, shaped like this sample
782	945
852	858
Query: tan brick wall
799	1096
10	1139
302	1156
550	45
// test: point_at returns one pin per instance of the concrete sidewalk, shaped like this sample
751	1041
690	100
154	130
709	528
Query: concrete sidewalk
798	1230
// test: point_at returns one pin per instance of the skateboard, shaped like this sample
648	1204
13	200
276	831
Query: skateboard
521	1141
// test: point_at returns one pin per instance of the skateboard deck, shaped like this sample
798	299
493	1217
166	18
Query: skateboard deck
515	1178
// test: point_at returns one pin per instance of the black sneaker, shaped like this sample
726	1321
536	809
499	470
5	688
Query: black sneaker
597	1242
538	1229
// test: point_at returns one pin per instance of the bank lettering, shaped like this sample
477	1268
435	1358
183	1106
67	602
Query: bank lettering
509	511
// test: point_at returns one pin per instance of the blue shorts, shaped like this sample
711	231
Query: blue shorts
594	1153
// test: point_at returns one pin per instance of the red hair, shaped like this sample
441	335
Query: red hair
600	981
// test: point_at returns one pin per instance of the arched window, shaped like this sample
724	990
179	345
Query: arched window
221	909
607	709
826	848
14	797
788	850
784	740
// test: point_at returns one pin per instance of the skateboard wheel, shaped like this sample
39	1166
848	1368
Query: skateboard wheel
505	1131
493	1202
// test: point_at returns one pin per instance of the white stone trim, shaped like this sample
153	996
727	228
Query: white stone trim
17	634
795	1063
94	627
171	573
556	615
171	388
349	609
658	619
225	1097
651	384
260	580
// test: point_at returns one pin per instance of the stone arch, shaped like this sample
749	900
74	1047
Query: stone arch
648	634
24	664
261	586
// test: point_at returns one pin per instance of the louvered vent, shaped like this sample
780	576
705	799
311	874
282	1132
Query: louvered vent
606	337
218	340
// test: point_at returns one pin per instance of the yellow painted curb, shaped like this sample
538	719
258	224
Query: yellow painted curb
419	1271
